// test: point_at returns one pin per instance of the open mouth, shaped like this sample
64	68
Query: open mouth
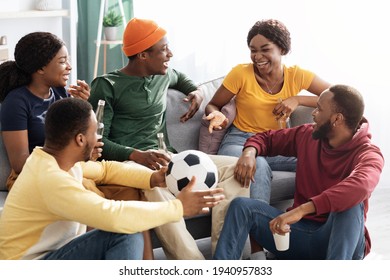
260	64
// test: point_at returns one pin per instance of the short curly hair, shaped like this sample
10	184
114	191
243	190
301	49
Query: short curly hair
349	102
273	30
65	119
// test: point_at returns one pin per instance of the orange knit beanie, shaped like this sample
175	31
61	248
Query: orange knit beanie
140	34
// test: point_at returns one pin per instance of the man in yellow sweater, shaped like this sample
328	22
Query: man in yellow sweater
47	210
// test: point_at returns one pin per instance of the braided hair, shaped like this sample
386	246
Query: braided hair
32	52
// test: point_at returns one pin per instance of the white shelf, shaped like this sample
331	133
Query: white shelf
106	42
61	21
34	14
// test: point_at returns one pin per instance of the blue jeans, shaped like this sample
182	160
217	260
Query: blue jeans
341	237
101	245
232	145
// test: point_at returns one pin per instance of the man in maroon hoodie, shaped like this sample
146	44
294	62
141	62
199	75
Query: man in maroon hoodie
337	170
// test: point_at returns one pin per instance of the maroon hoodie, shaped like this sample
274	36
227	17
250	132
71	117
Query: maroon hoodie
335	179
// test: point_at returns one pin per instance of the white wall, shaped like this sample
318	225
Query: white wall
15	28
342	41
18	26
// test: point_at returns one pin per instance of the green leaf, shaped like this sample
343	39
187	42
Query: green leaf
112	19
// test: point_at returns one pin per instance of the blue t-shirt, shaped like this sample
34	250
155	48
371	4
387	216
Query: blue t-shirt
22	110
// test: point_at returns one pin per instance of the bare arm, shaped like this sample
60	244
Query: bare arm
317	86
16	145
289	105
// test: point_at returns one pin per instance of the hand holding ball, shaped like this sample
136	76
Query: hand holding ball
190	163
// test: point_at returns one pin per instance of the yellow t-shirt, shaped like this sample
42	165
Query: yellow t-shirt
253	105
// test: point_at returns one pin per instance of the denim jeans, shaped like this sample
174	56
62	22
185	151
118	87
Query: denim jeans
341	237
232	145
101	245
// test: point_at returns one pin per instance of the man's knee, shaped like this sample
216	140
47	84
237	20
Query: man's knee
223	161
240	204
134	241
354	213
261	163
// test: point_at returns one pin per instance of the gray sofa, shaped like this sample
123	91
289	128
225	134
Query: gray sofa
4	171
184	136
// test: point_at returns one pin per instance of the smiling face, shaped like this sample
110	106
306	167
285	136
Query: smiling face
265	55
158	57
323	116
56	72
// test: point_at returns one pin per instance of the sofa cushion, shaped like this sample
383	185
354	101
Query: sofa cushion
185	136
282	186
209	142
301	115
181	136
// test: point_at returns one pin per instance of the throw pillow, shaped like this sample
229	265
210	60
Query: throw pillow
209	142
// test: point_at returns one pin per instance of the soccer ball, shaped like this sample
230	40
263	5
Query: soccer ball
190	163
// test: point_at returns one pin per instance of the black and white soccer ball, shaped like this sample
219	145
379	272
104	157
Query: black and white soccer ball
190	163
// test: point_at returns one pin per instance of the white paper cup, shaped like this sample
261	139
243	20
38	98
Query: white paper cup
282	242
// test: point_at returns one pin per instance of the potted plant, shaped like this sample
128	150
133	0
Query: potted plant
111	21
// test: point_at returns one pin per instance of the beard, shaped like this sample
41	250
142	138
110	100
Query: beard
87	154
322	131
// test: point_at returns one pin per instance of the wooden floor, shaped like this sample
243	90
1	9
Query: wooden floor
378	224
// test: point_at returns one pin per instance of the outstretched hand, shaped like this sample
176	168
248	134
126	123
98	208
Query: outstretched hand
217	120
197	202
195	98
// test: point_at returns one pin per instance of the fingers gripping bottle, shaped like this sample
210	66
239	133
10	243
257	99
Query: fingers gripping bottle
99	118
162	147
284	119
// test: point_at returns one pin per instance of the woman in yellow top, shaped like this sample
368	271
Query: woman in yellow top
266	92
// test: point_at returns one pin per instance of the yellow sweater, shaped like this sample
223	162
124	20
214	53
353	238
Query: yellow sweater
47	206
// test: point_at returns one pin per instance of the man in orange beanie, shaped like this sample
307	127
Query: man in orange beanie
135	112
